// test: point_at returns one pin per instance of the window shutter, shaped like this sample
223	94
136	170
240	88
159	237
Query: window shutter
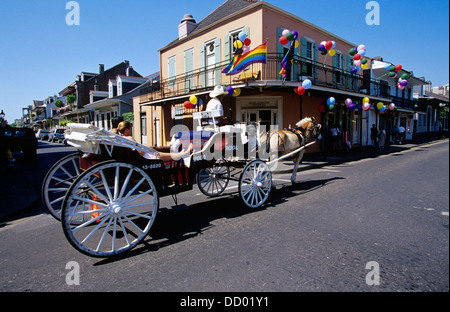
303	51
202	66
316	59
218	69
189	69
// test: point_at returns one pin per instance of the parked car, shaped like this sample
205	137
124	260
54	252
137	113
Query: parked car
42	134
56	135
18	140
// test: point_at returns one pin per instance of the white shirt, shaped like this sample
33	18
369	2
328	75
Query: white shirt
214	104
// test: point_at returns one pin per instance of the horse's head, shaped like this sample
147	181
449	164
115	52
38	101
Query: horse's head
310	127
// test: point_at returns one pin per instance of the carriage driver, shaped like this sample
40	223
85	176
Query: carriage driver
215	104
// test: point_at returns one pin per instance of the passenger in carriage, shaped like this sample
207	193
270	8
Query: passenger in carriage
124	129
115	123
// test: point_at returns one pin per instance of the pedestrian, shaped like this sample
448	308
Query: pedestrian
334	132
374	135
395	134
115	122
401	134
382	137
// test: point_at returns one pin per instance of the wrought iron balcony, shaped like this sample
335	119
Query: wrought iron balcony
320	74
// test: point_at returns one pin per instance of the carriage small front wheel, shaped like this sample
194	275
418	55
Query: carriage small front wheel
109	209
255	183
213	181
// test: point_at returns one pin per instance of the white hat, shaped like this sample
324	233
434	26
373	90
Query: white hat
218	90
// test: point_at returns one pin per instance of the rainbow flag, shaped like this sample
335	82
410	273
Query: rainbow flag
240	62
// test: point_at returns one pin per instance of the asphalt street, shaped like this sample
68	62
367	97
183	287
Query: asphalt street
327	233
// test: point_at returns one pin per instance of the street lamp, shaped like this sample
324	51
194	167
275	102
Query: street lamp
2	119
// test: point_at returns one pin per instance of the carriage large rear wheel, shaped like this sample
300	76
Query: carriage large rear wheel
58	181
109	209
255	184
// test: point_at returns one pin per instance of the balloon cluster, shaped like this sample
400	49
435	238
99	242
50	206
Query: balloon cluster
327	47
393	71
306	84
380	106
350	105
330	102
193	102
232	92
289	39
366	105
242	44
359	60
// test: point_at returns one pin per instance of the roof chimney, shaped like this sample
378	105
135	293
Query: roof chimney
101	69
186	26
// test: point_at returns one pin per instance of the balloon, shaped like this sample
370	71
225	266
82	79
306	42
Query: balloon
237	92
404	76
364	66
296	44
401	87
352	107
238	44
290	36
357	62
387	66
295	33
242	35
193	99
331	101
283	40
328	45
300	90
334	44
247	42
398	67
357	57
324	52
352	51
230	90
332	52
321	47
348	101
392	68
382	109
353	70
392	74
306	84
285	32
366	100
364	61
366	106
245	49
321	108
361	47
362	53
379	105
200	102
188	105
331	106
404	83
391	106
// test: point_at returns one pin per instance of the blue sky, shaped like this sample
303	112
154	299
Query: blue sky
40	54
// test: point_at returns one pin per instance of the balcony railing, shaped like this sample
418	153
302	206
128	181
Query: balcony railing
319	74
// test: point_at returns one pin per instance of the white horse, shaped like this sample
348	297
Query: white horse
282	142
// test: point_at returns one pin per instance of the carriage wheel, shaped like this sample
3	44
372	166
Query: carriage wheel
57	182
109	209
213	181
255	183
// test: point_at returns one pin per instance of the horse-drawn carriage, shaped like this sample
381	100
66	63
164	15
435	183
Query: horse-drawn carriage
107	195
